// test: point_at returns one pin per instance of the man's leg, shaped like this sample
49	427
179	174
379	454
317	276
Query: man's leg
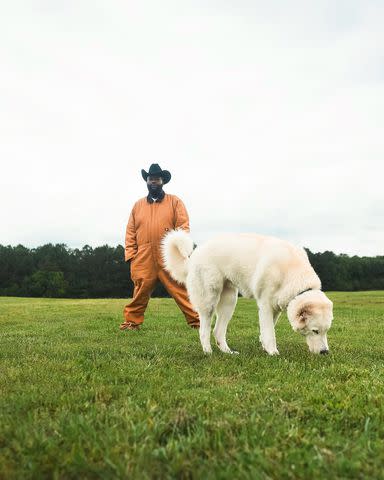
180	295
134	311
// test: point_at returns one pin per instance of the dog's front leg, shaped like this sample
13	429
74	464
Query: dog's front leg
267	330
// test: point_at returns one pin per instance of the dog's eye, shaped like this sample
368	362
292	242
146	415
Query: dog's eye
315	331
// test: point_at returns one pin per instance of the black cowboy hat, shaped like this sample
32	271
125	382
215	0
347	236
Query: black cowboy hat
156	171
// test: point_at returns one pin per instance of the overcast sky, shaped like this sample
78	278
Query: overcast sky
269	115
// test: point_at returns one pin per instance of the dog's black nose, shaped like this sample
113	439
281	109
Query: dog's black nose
324	352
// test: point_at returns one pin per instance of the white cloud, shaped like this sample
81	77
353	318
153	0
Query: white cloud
269	115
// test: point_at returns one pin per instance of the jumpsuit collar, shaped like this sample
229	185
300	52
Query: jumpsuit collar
158	200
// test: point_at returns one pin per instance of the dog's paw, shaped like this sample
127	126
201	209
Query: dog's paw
228	350
225	349
207	351
270	349
273	352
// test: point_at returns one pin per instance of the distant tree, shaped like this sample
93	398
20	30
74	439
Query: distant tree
45	283
345	273
58	271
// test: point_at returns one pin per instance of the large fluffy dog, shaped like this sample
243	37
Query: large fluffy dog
275	273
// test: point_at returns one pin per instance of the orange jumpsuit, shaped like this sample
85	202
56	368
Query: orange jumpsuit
148	223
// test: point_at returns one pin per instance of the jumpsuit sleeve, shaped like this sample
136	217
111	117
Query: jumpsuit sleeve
181	216
130	238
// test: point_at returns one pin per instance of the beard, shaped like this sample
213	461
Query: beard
155	190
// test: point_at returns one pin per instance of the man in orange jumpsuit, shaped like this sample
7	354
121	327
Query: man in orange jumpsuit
151	218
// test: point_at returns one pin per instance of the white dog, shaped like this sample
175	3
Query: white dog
275	273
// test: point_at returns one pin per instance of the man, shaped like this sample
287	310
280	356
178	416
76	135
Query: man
151	218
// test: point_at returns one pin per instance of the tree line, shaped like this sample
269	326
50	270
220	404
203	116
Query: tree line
101	272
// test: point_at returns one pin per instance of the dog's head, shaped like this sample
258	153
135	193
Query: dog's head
311	314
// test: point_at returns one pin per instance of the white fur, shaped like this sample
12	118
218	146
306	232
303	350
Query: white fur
270	270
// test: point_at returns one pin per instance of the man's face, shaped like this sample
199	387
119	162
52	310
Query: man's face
154	185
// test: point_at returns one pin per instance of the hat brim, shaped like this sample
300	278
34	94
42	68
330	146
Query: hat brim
165	175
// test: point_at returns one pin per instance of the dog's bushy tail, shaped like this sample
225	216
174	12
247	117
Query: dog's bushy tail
176	247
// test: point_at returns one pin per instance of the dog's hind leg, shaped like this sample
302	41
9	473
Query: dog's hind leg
224	312
204	287
267	329
205	329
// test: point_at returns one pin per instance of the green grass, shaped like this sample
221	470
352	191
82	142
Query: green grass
80	399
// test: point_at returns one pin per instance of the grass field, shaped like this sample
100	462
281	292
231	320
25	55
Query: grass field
79	399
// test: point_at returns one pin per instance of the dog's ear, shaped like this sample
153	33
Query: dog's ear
303	314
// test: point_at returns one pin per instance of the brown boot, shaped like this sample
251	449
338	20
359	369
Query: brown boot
194	325
129	326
